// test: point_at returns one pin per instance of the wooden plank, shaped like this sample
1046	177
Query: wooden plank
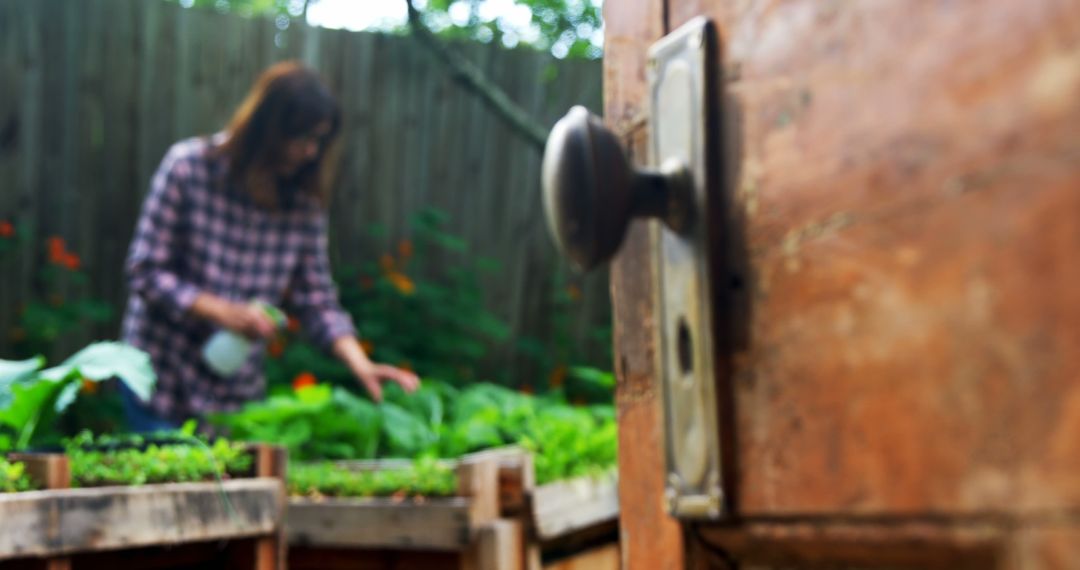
49	523
1045	542
270	552
498	546
1046	547
650	538
565	507
47	470
898	544
515	473
907	274
436	524
305	558
478	480
605	557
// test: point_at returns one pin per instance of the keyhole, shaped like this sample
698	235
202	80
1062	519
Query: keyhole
686	348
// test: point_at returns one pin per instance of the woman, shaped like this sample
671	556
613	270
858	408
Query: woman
231	219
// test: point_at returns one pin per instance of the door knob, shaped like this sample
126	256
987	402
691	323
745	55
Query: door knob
591	192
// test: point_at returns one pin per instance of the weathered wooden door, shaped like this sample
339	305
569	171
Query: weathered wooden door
901	355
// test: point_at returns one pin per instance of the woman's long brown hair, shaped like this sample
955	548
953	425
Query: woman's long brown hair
287	101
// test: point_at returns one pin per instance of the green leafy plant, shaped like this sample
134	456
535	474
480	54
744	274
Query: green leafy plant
31	398
425	477
439	420
189	461
60	304
409	312
13	477
314	422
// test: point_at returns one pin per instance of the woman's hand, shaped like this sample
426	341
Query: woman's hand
370	374
374	375
244	318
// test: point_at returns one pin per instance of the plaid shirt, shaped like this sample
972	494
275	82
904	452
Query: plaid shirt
198	233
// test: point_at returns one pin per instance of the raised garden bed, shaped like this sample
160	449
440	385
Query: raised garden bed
461	529
232	523
495	517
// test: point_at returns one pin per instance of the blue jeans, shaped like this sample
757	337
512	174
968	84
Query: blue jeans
140	417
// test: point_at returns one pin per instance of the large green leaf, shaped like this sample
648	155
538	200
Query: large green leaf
12	371
406	435
32	406
102	361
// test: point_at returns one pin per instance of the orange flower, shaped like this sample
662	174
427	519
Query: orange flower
6	229
406	365
368	346
70	261
292	324
366	282
402	283
57	249
386	262
557	377
527	389
89	386
303	380
573	292
405	249
276	347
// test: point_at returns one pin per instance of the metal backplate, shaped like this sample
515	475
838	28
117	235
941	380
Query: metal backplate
682	103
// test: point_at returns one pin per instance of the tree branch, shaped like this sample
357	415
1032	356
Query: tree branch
476	81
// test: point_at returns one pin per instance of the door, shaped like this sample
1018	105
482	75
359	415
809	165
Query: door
900	366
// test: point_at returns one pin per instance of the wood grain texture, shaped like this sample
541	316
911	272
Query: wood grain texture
436	524
904	183
650	538
989	543
910	203
601	558
50	523
564	507
498	546
303	558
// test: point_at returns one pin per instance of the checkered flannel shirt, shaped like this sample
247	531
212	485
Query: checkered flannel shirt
198	233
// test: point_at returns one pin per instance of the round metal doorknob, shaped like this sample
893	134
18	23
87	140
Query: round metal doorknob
591	192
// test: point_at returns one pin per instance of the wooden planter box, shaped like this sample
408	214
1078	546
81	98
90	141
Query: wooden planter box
464	531
499	520
175	525
572	524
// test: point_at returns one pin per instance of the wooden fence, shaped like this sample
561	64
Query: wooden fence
92	93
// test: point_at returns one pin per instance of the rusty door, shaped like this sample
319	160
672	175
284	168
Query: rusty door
900	362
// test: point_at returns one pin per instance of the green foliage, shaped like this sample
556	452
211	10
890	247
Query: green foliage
560	346
318	422
439	420
425	477
31	399
420	304
13	477
60	304
284	8
564	27
153	463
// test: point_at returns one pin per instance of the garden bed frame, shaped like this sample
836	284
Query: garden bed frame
500	520
148	526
